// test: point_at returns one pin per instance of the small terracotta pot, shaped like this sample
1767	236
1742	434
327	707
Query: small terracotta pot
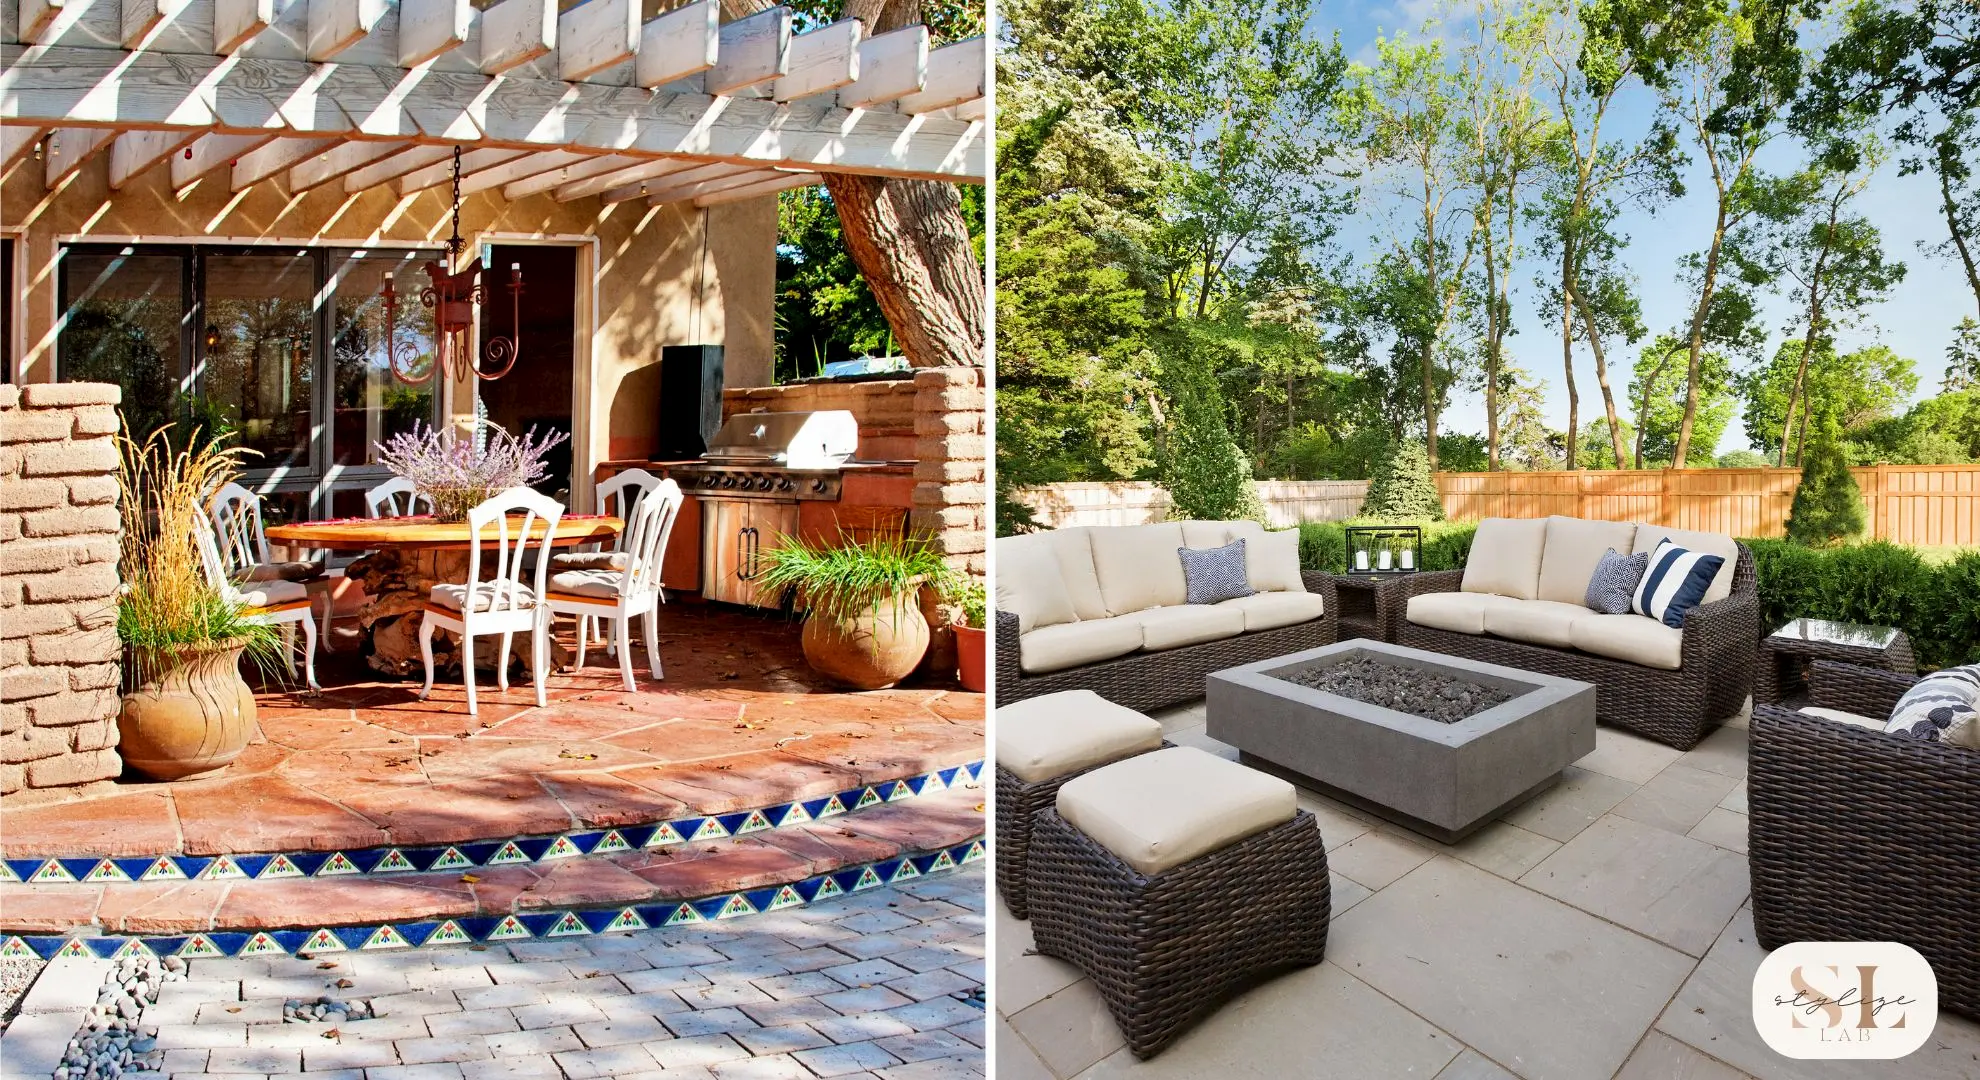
970	650
192	717
871	651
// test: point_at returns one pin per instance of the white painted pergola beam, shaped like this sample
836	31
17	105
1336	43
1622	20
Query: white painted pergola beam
752	51
631	176
15	142
442	171
136	152
821	61
596	36
387	169
278	156
568	174
891	66
69	148
521	168
36	18
956	73
681	43
430	28
514	32
684	184
336	25
236	22
766	185
338	161
210	152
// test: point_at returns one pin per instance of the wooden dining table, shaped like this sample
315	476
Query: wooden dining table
404	558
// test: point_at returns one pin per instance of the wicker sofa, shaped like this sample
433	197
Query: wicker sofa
1857	835
1520	602
1102	608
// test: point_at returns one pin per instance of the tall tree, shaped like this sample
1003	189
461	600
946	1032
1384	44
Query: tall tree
1658	390
1855	388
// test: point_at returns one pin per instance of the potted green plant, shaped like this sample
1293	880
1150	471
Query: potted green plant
863	625
186	711
971	602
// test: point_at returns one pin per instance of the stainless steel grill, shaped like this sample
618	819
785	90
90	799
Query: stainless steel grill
774	455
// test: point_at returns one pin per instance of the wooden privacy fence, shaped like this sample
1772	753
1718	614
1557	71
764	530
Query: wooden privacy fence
1923	505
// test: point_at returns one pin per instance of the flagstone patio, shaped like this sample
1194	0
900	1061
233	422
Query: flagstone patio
1601	930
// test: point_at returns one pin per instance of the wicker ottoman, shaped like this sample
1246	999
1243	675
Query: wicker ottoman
1043	742
1173	880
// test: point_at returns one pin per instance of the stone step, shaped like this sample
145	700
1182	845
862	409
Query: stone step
579	894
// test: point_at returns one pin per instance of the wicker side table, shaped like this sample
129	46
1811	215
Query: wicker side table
1782	673
1370	604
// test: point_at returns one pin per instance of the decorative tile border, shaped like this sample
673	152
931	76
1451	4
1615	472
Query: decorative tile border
496	929
523	850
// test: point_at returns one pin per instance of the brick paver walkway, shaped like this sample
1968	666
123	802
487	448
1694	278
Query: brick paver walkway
883	983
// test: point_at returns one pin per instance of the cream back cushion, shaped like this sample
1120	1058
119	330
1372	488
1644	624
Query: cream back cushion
1271	558
1206	534
1572	549
1138	566
1029	583
1505	558
1074	550
1691	540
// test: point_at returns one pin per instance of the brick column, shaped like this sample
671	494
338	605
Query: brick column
59	657
949	492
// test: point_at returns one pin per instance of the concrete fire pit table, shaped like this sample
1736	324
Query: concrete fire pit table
1442	780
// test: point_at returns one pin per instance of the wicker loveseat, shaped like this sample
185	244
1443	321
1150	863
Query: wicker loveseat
1102	608
1520	602
1858	835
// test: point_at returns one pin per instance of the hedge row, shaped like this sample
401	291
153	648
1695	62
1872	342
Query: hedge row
1879	583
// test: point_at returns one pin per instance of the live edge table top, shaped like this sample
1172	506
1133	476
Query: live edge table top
426	534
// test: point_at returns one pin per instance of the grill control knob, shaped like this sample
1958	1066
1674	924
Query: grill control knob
728	481
784	483
764	483
818	485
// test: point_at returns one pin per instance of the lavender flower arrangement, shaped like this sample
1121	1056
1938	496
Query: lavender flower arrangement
457	476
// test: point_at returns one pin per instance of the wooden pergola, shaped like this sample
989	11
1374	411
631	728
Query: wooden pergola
590	101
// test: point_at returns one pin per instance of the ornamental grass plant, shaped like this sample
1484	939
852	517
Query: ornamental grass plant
851	577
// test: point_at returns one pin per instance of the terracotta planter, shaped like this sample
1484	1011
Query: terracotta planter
970	650
871	651
193	719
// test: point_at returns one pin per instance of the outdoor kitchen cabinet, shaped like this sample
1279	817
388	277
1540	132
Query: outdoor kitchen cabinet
735	534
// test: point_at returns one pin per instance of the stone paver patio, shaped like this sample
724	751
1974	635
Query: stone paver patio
1601	930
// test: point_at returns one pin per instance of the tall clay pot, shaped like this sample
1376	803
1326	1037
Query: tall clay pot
193	716
872	650
970	646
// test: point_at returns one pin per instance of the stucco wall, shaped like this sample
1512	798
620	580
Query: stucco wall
662	276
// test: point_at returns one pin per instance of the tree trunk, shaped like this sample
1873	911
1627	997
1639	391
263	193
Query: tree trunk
1705	291
1492	355
1602	379
1567	350
1952	223
908	237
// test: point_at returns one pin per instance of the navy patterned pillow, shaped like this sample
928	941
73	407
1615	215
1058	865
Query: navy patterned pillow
1615	581
1941	707
1214	575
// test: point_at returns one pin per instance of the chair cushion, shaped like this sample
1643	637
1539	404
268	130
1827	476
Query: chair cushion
1160	810
1674	582
1505	557
1842	717
1573	549
452	597
1725	547
1187	624
1634	638
1941	707
590	560
282	571
1029	583
1536	622
599	583
1214	575
1088	641
1074	550
1271	557
1206	534
1137	566
1613	586
272	593
1458	612
1271	610
1055	734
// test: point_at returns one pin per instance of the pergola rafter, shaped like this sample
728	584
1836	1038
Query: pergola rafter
587	101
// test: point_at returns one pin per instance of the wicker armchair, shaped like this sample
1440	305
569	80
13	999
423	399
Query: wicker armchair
1677	708
1860	836
1157	680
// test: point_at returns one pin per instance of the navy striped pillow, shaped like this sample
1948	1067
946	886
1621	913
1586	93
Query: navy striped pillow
1675	583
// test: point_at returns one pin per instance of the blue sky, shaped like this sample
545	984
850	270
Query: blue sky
1917	320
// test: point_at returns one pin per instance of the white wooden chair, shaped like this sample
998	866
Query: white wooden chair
236	514
268	603
633	589
502	604
396	498
616	495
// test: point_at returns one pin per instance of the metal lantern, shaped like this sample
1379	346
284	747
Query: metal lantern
453	298
1384	549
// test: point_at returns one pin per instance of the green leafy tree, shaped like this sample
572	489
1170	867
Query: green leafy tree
1526	441
1403	489
1963	357
1659	391
1854	388
825	311
1828	506
1741	459
1204	470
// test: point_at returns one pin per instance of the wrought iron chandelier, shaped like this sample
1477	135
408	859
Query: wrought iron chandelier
453	298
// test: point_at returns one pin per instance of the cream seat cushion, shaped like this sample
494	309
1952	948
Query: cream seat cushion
602	584
1188	624
1710	543
1138	566
1536	622
1572	549
1635	638
1055	648
1841	717
1271	610
452	597
282	571
1074	550
1043	737
1505	557
590	560
1030	584
272	593
1158	811
1458	612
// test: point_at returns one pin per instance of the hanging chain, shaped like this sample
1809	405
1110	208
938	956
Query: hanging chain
455	245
